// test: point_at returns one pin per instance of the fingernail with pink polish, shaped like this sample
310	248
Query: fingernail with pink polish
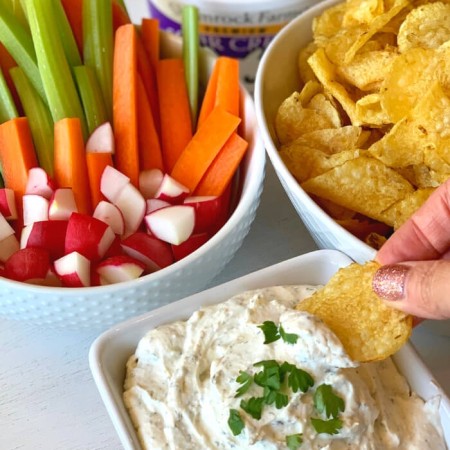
389	281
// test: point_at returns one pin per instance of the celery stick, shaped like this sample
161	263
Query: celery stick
65	33
59	85
17	41
39	118
98	45
7	106
91	97
190	55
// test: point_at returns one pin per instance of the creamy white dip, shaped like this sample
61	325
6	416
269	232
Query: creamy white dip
181	383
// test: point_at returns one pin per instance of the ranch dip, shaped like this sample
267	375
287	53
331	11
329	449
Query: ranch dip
181	387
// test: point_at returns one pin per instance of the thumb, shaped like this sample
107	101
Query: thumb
418	288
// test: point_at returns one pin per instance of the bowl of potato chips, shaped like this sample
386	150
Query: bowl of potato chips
353	102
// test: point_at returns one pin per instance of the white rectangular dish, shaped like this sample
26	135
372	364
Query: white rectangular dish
110	351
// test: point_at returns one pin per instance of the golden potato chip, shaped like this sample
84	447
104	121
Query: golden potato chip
363	184
309	90
368	329
427	26
358	11
322	105
304	69
370	112
328	24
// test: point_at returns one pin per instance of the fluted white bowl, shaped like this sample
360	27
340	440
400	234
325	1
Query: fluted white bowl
101	307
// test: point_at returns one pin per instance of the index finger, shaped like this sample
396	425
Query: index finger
425	235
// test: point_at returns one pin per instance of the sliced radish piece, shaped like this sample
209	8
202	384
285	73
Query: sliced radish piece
88	236
47	234
194	242
8	246
173	224
27	264
154	204
110	214
8	204
35	208
132	206
150	181
39	183
101	140
119	268
154	253
73	270
62	204
5	228
170	190
51	279
112	182
207	211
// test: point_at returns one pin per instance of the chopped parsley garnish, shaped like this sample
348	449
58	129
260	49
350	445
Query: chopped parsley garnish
298	379
253	406
293	441
327	402
331	426
235	422
272	333
246	380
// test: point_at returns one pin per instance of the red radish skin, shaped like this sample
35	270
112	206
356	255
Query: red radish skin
111	215
62	204
88	236
154	253
8	204
189	245
170	190
153	204
39	183
5	228
208	209
8	247
35	208
132	206
47	234
101	140
112	182
119	268
173	224
149	182
73	270
27	264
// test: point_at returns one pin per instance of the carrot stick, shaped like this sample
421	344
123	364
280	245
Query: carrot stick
175	114
125	103
227	94
70	169
74	13
150	156
204	147
209	98
96	163
148	76
224	166
150	40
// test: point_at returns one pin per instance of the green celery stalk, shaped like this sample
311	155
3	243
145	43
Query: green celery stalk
189	27
91	97
19	44
98	45
8	108
65	33
39	118
59	85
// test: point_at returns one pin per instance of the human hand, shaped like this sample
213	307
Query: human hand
415	276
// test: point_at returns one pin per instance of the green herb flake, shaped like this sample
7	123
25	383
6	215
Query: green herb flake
246	380
270	331
290	338
253	406
235	422
327	402
281	400
293	441
331	426
298	379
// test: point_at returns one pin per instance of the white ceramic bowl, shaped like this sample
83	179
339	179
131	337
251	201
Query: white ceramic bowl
101	307
110	351
277	77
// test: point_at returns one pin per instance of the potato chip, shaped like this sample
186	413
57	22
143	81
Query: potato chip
370	112
328	24
427	26
338	212
358	11
368	329
309	90
363	184
304	69
324	106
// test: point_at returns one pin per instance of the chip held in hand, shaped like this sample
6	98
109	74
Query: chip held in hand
369	329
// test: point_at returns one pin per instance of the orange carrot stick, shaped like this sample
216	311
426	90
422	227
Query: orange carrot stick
150	156
70	162
175	114
74	13
227	94
204	147
96	163
209	98
126	157
150	40
224	166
